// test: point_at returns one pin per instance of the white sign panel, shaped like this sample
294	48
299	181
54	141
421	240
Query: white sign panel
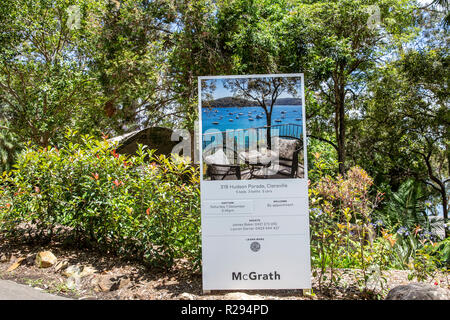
254	191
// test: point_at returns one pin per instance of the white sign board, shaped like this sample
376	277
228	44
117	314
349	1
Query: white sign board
254	191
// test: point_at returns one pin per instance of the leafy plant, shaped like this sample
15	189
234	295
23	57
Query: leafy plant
423	266
341	228
9	147
405	208
143	207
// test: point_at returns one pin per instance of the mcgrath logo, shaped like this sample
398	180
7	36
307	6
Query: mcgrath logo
255	246
239	276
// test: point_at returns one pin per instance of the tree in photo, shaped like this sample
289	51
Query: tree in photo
264	91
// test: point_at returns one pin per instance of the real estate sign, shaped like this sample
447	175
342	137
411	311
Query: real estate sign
254	191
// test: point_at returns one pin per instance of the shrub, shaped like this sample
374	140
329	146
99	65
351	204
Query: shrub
138	207
340	217
404	224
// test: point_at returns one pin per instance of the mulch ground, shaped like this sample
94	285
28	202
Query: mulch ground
144	283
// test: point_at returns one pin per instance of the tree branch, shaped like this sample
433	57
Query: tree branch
324	140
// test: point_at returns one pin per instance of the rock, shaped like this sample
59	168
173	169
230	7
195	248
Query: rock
107	283
104	283
123	283
186	296
60	265
77	271
87	271
72	271
45	259
418	291
73	283
241	296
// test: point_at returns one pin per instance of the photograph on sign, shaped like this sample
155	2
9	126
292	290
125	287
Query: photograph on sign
252	128
255	225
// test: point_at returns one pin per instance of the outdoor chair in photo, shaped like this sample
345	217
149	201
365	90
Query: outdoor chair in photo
221	165
280	163
287	164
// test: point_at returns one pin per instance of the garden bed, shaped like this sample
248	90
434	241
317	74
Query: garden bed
140	282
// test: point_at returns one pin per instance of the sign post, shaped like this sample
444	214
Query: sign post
254	191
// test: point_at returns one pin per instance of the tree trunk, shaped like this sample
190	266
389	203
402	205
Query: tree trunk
441	189
341	140
445	210
339	91
269	128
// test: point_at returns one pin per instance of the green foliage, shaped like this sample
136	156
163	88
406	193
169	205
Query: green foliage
376	97
405	208
140	209
429	259
406	123
404	249
405	226
441	251
423	266
9	147
44	84
127	49
344	225
337	48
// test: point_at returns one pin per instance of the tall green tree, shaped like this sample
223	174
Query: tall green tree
344	42
44	83
197	50
409	116
128	47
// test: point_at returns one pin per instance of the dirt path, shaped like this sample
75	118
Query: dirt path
107	277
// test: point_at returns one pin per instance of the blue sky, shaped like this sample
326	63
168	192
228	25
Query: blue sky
221	91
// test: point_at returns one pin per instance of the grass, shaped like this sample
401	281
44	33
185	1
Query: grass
53	287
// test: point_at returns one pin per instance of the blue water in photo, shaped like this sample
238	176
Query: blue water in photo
223	119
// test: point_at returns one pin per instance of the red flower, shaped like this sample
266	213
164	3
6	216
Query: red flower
117	183
95	175
126	164
436	283
8	205
115	154
147	211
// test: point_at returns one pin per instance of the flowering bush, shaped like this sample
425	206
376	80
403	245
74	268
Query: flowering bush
345	226
341	227
144	207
